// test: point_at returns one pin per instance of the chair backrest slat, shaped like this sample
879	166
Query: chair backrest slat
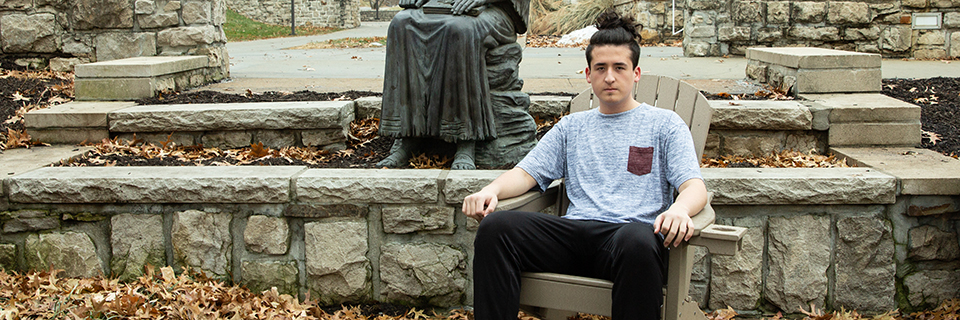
646	89
667	93
700	124
686	101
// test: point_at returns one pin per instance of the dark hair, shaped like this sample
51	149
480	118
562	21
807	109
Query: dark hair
616	31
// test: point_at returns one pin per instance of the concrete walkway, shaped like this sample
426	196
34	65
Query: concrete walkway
266	65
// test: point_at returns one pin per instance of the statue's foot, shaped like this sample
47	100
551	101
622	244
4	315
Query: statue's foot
463	159
400	154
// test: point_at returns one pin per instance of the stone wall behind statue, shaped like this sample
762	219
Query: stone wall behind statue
715	28
65	33
317	13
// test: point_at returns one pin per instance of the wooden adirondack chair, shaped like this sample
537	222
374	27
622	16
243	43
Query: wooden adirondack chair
556	296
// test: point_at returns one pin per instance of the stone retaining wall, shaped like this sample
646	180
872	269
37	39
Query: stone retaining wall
63	34
715	28
832	237
333	13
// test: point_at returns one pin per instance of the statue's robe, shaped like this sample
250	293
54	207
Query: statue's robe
435	78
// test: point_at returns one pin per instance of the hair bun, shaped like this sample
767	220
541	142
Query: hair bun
612	20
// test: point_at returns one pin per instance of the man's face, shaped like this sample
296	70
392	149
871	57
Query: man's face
612	75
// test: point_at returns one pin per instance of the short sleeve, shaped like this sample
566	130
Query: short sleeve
547	160
681	163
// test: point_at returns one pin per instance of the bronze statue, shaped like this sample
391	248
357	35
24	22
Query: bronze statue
438	80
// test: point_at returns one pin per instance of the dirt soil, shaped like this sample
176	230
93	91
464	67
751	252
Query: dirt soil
939	101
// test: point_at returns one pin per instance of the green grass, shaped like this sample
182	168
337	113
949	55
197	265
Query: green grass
240	28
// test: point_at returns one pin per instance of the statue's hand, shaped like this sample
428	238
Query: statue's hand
461	6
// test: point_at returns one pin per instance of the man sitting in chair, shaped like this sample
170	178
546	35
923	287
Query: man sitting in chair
621	163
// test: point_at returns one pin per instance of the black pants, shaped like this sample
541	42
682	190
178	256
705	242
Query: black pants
628	254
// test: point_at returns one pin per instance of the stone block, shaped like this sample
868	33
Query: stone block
8	257
323	137
865	267
368	107
120	45
116	88
23	33
161	138
269	235
261	276
751	186
951	19
226	139
201	241
189	36
103	14
896	38
65	64
921	206
336	263
944	3
805	141
865	107
915	3
172	6
778	12
703	5
760	115
734	33
234	116
736	280
31	220
838	80
815	33
140	67
144	7
799	256
428	218
814	58
920	171
930	243
874	134
808	11
241	184
928	53
159	20
136	240
73	252
702	31
842	12
275	139
932	37
712	147
78	45
955	44
929	287
757	143
304	210
461	183
428	272
871	33
16	4
368	186
549	106
748	12
696	48
75	114
196	12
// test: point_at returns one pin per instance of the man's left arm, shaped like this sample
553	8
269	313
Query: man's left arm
675	223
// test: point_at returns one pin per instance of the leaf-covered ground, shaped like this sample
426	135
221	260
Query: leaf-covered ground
167	295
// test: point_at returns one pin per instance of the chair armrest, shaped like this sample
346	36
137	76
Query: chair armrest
719	239
705	217
532	201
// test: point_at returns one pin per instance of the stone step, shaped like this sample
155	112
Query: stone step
73	122
920	171
815	70
868	119
138	77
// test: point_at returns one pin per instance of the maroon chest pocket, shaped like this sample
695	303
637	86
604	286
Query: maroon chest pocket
640	160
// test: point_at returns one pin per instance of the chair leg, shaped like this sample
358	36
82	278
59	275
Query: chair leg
678	280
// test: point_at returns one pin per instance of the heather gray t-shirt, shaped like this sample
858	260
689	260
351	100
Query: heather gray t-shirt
620	167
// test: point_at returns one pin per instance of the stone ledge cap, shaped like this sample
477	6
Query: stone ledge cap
232	116
461	183
814	58
865	107
74	114
768	186
234	184
920	171
760	115
140	67
368	186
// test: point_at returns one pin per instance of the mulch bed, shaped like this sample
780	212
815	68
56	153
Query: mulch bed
939	101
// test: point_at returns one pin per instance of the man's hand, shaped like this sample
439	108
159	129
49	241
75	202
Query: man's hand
675	225
480	204
412	4
461	6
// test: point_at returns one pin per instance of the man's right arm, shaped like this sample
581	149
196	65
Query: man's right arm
509	184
